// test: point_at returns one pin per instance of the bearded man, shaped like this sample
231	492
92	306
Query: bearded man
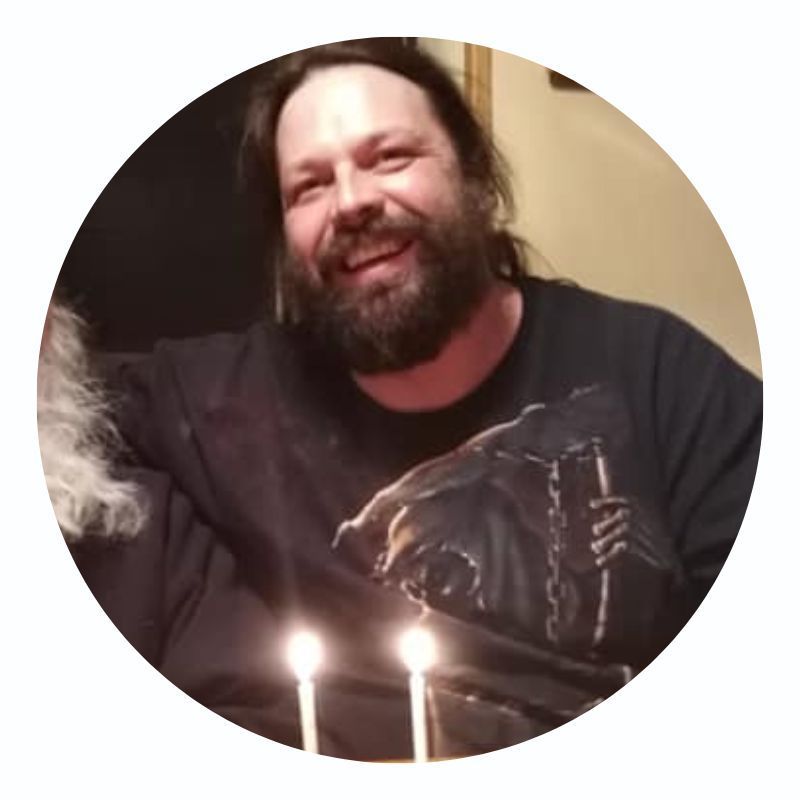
552	478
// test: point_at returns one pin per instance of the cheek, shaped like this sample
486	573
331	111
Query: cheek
423	190
304	229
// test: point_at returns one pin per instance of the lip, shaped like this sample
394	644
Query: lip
395	249
376	267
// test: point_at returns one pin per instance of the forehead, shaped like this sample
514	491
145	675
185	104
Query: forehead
339	106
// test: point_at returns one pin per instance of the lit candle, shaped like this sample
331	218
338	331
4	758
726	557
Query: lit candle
417	649
305	654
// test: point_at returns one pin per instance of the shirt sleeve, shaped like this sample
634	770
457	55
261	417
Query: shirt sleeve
220	642
157	400
708	413
179	597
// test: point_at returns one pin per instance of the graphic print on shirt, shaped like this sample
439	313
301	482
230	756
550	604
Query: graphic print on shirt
523	528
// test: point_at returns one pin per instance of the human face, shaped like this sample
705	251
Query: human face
361	158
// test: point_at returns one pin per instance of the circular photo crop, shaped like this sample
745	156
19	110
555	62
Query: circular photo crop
399	400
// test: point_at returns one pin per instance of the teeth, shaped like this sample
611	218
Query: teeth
369	252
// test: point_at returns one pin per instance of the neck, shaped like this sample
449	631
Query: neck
467	359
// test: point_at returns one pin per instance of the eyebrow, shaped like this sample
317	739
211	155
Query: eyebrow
378	138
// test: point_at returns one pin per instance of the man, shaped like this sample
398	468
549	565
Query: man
551	478
163	578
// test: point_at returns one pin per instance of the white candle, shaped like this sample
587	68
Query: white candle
419	733
418	650
308	717
305	654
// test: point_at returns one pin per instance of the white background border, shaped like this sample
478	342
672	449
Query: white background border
83	84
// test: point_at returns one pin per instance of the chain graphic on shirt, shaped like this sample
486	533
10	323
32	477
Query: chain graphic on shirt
556	526
556	546
604	485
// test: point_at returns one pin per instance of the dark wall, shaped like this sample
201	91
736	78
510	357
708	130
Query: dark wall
173	246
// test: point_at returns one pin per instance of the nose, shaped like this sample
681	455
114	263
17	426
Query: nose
357	200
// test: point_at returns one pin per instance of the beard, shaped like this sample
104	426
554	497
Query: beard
78	440
392	324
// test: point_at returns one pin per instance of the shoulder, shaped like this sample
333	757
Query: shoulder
566	297
210	356
680	386
205	371
653	338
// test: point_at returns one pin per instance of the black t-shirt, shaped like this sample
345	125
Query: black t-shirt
557	526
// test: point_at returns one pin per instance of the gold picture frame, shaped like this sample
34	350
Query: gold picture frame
478	81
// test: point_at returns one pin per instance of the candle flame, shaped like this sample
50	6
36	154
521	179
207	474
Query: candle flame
305	654
417	649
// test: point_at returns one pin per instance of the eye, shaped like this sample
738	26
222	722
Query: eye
304	191
393	159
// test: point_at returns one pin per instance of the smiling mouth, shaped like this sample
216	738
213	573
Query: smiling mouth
372	254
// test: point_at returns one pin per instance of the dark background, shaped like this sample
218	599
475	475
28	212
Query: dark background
174	245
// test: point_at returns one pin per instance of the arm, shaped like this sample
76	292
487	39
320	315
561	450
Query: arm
708	413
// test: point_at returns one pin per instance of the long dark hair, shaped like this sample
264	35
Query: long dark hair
480	161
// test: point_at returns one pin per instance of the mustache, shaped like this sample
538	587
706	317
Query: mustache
376	229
